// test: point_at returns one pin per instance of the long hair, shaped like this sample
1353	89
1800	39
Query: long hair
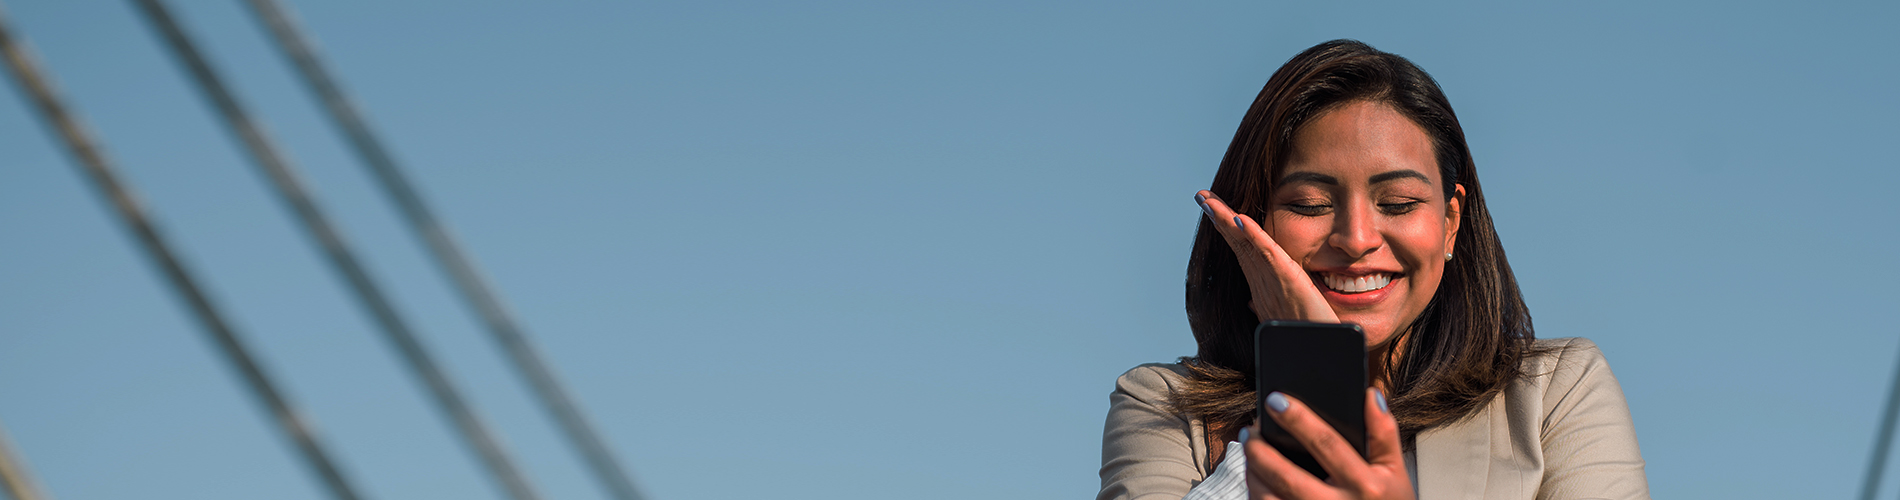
1461	351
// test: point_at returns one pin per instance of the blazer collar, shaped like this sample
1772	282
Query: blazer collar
1453	459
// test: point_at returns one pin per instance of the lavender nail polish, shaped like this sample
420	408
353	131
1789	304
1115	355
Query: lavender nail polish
1244	434
1237	222
1277	402
1379	396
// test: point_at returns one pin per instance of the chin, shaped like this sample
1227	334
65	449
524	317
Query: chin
1378	330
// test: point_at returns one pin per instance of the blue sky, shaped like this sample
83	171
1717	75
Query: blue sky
876	250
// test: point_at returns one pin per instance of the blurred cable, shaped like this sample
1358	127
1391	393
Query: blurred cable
97	168
1883	440
290	189
448	255
13	472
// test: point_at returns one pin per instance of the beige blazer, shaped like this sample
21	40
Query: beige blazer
1562	432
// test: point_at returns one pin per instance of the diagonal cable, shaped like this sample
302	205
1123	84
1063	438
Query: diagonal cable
1883	440
448	255
13	475
283	177
93	162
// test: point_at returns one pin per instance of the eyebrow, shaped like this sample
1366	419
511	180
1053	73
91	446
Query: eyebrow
1310	177
1331	181
1399	174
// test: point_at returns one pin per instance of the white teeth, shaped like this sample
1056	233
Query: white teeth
1358	284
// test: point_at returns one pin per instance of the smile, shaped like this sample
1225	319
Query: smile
1357	284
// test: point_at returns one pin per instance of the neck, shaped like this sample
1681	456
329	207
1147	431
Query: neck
1377	367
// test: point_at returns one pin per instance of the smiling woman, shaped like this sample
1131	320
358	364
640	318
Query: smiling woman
1356	208
1349	195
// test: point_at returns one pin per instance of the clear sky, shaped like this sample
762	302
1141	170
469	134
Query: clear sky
878	250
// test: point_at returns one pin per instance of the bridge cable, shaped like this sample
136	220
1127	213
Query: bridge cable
93	162
13	475
1883	440
447	253
283	177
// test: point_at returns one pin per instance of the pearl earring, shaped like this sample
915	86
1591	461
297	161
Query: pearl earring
1448	257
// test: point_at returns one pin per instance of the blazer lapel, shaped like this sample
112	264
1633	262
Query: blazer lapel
1454	459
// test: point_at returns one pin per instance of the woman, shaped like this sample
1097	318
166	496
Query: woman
1349	195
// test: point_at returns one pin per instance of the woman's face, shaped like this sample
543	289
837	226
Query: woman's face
1360	206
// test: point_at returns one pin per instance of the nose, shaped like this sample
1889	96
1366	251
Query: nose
1354	230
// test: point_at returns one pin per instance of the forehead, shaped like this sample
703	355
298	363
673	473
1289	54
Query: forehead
1359	140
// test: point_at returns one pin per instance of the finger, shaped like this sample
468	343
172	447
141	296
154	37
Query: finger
1226	221
1294	277
1257	490
1282	289
1279	476
1262	259
1242	231
1296	289
1254	249
1333	452
1212	205
1382	432
1218	209
1259	238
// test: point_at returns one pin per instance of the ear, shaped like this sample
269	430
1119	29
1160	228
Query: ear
1454	214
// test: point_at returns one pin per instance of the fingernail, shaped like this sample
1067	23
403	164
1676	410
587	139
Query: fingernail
1244	434
1237	222
1277	402
1204	208
1379	396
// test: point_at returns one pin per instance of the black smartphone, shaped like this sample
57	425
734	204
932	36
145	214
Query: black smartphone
1324	366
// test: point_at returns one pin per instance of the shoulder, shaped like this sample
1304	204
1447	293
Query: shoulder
1151	379
1563	362
1569	375
1566	355
1147	447
1150	383
1569	404
1142	396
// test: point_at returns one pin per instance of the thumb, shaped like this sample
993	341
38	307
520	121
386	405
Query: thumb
1382	432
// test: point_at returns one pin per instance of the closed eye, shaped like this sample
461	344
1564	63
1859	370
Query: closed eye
1400	208
1309	209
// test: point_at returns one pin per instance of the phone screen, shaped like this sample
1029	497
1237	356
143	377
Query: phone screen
1322	365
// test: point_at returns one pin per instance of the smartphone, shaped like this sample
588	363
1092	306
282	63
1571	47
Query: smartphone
1322	365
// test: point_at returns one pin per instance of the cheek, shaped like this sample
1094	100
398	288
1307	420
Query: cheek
1300	237
1421	249
1420	245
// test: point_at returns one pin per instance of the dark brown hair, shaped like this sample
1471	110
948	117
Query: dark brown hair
1461	350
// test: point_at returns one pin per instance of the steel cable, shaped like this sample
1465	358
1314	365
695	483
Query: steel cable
93	162
1883	440
284	178
13	475
448	255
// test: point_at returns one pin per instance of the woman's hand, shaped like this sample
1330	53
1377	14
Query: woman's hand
1281	288
1380	476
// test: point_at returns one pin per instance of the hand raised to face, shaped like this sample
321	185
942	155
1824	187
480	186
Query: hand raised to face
1281	288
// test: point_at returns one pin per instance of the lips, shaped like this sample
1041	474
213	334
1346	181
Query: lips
1357	284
